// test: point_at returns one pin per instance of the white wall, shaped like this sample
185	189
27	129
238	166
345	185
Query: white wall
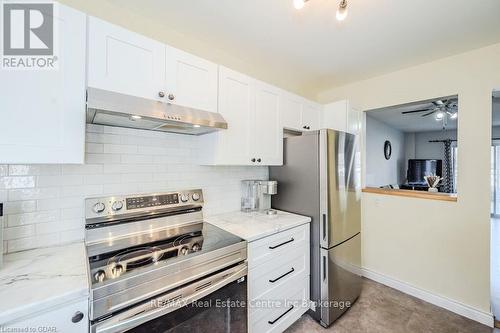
439	247
44	204
380	171
432	150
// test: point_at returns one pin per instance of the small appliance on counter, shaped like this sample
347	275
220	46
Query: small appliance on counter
256	195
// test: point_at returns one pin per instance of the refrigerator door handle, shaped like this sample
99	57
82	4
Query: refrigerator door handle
324	227
324	268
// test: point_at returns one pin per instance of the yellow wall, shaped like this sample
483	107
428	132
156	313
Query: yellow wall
113	13
440	247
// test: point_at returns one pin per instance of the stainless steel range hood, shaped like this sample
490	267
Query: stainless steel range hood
115	109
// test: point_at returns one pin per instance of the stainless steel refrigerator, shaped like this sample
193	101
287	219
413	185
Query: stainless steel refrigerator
320	178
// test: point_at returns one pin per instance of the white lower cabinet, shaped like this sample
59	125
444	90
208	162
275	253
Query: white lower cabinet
69	318
278	280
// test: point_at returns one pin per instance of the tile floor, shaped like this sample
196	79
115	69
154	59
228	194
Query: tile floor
381	309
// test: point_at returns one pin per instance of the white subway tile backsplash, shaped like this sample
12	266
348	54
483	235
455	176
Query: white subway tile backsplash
119	149
35	169
44	204
33	193
17	182
14	220
18	207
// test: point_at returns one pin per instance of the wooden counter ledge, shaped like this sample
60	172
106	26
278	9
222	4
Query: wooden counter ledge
412	194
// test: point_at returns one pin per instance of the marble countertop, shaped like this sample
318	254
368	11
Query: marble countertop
33	280
256	225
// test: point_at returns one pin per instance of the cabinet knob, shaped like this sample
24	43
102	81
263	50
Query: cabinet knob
259	160
171	97
161	94
308	127
253	160
78	316
304	127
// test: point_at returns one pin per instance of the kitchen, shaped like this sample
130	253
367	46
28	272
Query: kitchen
125	190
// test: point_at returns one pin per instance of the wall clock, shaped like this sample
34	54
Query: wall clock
387	149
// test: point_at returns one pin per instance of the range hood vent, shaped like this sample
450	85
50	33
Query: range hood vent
115	109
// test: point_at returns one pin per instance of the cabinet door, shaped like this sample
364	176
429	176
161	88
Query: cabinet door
353	121
43	111
335	116
68	318
311	116
267	134
123	61
236	105
191	81
291	111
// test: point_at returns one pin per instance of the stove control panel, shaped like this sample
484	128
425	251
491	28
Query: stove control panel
153	201
117	205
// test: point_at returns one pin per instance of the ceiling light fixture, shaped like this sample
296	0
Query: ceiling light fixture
299	4
342	10
135	117
439	115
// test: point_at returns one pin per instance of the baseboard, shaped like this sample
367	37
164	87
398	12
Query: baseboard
443	302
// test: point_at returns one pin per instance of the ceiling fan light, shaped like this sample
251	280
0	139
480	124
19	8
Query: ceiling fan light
342	10
299	4
440	115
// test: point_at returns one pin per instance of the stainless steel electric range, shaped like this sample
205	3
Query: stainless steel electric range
155	266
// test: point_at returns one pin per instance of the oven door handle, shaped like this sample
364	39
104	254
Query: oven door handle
169	302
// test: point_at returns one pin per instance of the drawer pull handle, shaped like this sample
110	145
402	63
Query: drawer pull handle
275	320
284	243
282	276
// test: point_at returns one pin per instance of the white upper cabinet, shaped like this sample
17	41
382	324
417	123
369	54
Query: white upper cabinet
267	133
342	116
123	61
43	111
126	62
311	116
254	135
291	111
191	81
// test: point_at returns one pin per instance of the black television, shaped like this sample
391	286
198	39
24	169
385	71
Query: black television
418	168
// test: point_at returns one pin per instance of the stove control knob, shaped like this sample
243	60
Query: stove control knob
117	205
196	196
99	276
99	207
184	197
184	250
196	247
117	270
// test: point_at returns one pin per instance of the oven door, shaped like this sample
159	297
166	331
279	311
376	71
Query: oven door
217	303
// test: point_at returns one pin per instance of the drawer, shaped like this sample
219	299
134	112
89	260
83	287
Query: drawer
276	246
72	317
276	272
291	301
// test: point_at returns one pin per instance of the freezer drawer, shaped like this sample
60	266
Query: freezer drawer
340	279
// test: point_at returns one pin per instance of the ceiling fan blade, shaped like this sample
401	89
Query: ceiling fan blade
406	112
429	113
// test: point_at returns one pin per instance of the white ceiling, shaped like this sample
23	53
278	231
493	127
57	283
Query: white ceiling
377	37
413	122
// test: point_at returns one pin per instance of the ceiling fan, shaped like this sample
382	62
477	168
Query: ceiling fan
440	109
